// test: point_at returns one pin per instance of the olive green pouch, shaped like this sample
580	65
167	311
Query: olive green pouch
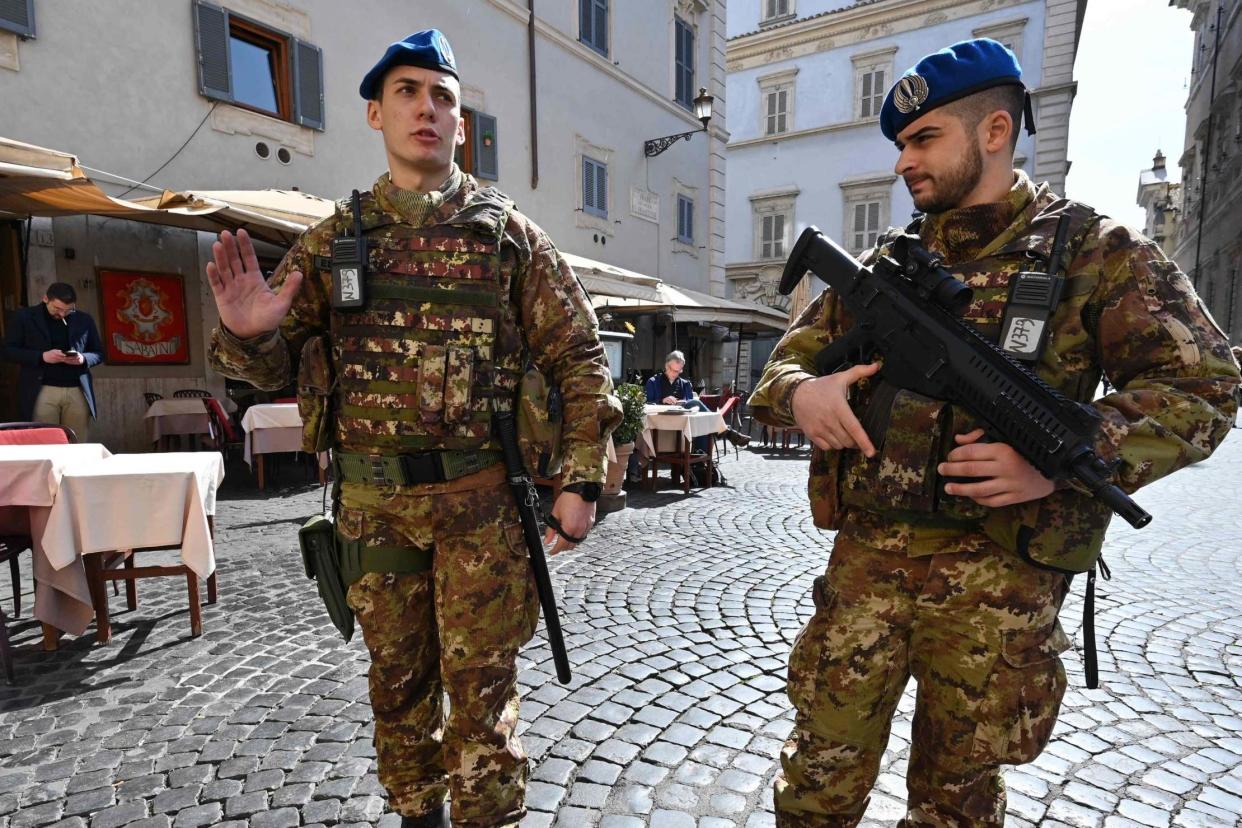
320	557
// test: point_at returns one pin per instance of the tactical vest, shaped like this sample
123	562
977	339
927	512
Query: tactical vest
913	433
437	348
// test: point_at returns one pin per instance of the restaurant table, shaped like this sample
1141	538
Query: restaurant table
272	428
178	416
670	430
134	502
32	476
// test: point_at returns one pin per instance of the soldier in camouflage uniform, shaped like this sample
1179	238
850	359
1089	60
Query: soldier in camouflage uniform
462	292
959	584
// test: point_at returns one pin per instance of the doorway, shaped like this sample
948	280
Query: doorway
12	297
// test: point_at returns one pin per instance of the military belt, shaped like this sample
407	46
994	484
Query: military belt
411	469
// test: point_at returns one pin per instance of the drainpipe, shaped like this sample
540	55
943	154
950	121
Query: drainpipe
534	98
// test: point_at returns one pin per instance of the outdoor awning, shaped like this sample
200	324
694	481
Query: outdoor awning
36	181
602	279
617	290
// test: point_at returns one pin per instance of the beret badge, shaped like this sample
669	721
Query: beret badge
911	92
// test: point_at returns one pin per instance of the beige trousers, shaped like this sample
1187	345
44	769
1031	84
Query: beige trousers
64	406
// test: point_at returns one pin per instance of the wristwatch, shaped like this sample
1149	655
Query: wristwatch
589	492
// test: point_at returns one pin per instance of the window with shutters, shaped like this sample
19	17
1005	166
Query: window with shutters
685	219
776	92
866	226
871	95
683	63
594	187
776	11
777	108
772	236
593	24
18	17
773	221
480	154
873	74
253	66
866	206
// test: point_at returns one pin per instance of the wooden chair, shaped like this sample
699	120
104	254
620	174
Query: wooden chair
681	462
151	397
191	392
102	567
26	434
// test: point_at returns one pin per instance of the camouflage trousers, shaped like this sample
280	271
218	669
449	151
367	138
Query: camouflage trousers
977	630
453	630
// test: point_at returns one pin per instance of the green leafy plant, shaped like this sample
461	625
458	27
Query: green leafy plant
633	398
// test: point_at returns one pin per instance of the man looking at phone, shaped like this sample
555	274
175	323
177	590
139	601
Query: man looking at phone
56	345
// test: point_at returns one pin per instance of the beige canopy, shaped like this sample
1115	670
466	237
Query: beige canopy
617	290
36	181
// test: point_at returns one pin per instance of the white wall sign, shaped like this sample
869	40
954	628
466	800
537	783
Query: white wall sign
645	205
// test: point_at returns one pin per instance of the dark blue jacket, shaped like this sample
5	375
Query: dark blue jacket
658	387
27	337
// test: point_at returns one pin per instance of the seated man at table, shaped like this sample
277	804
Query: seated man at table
670	388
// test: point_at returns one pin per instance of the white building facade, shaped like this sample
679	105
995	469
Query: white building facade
180	94
1209	241
806	80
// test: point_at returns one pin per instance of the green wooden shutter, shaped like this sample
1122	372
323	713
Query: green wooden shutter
308	84
486	147
211	34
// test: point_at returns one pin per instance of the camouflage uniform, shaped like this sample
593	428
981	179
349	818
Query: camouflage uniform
926	584
463	292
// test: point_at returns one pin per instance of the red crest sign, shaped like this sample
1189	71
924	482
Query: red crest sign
143	318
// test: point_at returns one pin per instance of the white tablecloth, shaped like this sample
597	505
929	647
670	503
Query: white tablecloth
137	500
181	415
690	424
31	478
272	428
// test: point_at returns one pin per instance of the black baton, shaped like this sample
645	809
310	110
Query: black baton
526	498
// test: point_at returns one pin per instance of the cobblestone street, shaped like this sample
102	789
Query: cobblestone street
679	614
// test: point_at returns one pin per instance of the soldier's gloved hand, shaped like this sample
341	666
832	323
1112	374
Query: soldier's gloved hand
822	410
248	307
1008	477
575	516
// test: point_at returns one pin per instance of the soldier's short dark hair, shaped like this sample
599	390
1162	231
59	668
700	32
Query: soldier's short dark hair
972	109
62	292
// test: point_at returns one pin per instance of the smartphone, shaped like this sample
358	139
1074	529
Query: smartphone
69	352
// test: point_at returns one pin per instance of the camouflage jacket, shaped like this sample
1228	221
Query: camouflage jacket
1127	313
558	328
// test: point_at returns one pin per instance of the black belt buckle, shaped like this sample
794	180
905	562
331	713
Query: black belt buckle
423	467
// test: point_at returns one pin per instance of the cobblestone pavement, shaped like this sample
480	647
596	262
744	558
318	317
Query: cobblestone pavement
679	613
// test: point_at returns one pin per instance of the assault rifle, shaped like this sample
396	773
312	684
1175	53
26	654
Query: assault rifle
906	309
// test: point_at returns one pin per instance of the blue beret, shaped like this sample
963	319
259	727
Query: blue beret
945	76
428	49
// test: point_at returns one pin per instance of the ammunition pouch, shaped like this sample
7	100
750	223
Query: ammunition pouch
315	386
539	420
902	476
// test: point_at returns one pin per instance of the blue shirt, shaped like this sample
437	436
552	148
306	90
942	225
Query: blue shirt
658	387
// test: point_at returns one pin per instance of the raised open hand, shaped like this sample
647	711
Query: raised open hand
248	307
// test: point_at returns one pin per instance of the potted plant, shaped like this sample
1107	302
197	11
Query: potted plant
633	398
